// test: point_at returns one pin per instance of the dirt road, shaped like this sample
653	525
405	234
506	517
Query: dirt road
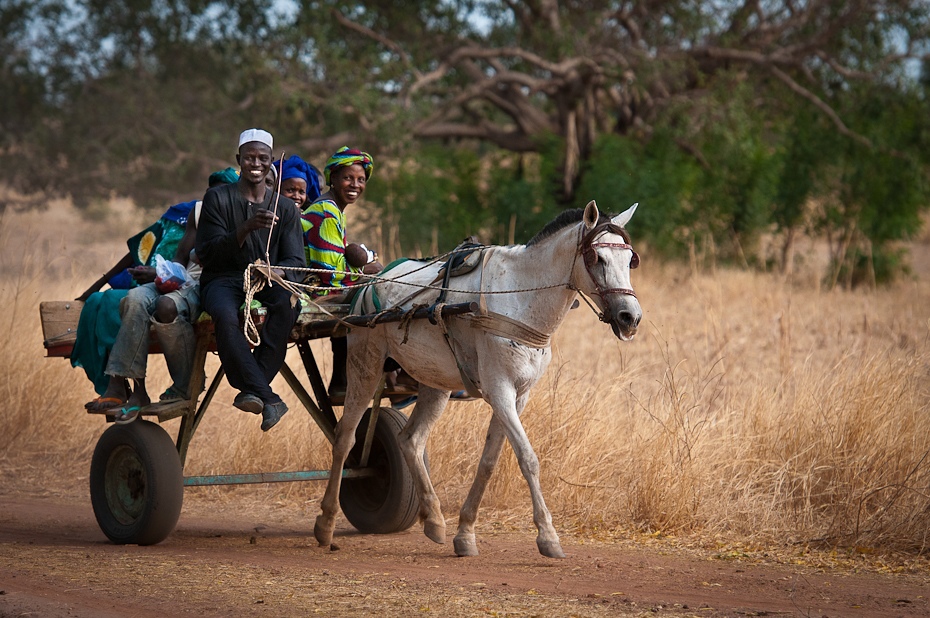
54	561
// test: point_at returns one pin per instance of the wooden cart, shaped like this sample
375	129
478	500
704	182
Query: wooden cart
136	476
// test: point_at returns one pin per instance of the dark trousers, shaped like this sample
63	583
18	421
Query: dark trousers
340	347
247	370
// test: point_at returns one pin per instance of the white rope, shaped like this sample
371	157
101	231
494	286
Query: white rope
251	331
375	279
297	290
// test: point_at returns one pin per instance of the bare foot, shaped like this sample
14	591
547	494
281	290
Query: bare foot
139	397
116	394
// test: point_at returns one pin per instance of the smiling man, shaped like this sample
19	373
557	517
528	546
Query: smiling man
233	233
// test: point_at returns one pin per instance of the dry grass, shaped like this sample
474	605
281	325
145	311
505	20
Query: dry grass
749	408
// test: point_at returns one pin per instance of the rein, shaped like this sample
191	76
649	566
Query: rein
586	248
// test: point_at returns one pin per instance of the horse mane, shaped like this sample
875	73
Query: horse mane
565	219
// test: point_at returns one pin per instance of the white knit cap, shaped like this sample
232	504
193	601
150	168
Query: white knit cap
256	135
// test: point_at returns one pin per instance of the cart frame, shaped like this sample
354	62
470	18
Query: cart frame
137	487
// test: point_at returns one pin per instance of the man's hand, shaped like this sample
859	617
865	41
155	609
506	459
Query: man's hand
262	219
142	274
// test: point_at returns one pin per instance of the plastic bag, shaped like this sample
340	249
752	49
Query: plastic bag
170	276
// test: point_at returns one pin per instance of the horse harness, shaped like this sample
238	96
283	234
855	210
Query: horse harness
462	262
465	258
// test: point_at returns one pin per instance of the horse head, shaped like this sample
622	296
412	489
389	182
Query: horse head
608	258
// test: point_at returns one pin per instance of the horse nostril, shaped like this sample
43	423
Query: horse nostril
625	317
636	321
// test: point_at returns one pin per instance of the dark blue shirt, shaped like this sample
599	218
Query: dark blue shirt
224	210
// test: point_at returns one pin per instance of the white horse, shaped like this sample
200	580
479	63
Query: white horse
503	353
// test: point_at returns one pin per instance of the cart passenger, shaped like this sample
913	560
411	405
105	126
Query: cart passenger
300	181
113	333
324	222
234	232
324	225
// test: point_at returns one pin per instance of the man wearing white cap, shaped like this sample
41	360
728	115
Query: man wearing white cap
233	233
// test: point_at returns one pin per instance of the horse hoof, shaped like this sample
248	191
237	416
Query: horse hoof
465	545
435	532
550	549
322	532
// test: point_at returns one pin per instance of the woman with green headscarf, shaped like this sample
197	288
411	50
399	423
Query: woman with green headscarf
324	223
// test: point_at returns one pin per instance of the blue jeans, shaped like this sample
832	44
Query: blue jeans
247	370
129	356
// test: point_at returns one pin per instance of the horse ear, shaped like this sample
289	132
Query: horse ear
624	217
591	214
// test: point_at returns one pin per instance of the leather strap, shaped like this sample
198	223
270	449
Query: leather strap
508	328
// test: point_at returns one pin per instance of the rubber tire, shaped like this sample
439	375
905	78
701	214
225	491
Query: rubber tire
136	483
387	502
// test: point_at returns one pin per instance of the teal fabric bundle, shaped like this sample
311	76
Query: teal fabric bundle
96	333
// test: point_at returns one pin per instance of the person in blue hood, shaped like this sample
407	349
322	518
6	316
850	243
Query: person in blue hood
300	181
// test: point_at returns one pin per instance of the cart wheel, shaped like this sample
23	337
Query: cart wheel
136	484
386	502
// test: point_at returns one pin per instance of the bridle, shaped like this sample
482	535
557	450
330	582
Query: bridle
588	249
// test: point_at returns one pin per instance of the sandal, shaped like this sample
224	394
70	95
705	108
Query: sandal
399	402
102	404
171	396
126	414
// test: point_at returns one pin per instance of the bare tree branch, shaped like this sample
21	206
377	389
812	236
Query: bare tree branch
633	61
515	141
371	34
820	104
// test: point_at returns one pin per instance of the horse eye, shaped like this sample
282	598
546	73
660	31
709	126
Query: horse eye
590	258
634	261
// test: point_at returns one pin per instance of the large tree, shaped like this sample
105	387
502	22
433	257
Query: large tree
140	98
148	82
510	72
726	116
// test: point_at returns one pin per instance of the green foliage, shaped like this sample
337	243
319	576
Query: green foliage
726	193
873	195
484	116
807	151
734	196
431	196
656	174
861	268
522	192
23	101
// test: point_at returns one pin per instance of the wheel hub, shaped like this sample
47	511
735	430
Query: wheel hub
125	485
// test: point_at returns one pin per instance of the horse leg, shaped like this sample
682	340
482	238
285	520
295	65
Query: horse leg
429	407
503	402
364	375
464	542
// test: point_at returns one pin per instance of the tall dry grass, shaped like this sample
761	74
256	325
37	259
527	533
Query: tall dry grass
749	406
